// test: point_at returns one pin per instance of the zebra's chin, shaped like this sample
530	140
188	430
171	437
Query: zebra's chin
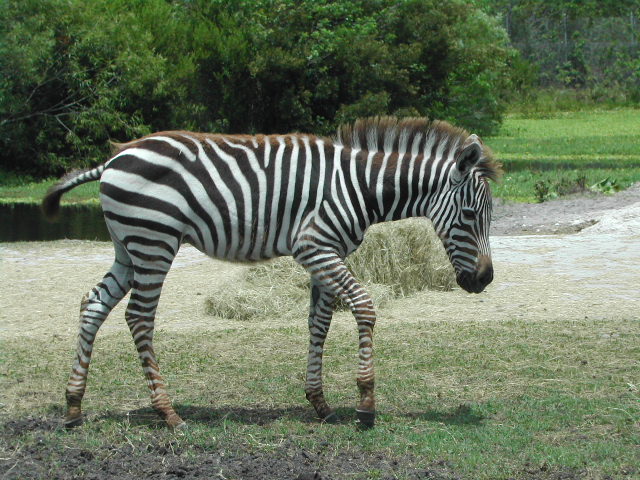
475	281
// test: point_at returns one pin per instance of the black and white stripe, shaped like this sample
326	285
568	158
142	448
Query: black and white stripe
255	197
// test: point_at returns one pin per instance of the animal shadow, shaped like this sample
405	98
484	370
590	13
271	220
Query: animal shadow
206	415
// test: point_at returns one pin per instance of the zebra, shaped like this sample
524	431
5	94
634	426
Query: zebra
249	198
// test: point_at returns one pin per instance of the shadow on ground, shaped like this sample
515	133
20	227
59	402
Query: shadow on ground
462	415
210	416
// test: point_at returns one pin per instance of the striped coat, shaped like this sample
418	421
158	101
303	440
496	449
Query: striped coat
249	198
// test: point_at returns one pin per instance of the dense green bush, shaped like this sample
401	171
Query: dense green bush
76	73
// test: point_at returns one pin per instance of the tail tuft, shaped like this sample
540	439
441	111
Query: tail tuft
51	202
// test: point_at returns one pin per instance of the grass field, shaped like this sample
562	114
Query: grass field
583	147
491	400
570	148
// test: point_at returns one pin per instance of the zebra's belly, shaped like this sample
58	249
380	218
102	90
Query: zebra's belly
240	245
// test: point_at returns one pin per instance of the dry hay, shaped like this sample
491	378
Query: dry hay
395	260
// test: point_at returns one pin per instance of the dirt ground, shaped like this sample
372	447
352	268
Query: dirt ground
166	461
572	258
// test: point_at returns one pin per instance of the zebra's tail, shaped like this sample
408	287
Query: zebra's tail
51	201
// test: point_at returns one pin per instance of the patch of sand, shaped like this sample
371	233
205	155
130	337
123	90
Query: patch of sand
560	277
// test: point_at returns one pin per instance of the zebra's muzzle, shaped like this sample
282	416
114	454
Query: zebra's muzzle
476	281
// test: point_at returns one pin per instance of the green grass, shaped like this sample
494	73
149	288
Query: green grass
605	138
491	399
566	146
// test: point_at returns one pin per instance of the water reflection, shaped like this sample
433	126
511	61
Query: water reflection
25	222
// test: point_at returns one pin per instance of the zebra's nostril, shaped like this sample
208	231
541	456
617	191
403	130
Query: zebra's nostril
486	276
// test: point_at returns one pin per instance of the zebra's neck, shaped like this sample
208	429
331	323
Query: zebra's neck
402	185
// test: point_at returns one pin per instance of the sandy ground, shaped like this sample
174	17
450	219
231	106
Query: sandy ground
594	274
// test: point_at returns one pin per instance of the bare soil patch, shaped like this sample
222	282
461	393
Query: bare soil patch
168	461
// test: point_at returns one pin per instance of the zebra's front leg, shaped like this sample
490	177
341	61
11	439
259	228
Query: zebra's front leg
328	270
320	313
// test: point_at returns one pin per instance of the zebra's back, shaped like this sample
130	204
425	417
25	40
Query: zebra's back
233	197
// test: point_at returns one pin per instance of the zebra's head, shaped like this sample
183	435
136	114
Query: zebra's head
462	215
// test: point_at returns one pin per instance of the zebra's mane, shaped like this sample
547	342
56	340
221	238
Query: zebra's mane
392	134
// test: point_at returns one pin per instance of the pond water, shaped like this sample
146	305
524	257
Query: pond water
25	222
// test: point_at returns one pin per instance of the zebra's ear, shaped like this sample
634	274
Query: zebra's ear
470	154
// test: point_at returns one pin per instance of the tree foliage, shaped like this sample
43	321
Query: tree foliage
576	43
76	73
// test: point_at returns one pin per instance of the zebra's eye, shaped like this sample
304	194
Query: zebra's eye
468	213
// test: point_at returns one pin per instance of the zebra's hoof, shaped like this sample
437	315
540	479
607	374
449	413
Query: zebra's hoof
366	420
174	422
180	427
71	423
332	418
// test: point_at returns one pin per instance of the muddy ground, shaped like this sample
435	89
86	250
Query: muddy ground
165	461
571	258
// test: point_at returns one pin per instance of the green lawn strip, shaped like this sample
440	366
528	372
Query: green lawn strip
535	162
571	125
34	192
605	139
619	150
520	186
491	399
581	148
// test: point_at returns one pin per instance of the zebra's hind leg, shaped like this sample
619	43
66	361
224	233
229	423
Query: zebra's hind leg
140	315
320	313
94	308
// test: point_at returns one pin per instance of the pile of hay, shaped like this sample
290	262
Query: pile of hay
395	260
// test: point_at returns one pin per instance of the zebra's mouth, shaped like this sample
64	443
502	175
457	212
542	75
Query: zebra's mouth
475	282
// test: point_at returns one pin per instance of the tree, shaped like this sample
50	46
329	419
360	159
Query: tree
76	73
